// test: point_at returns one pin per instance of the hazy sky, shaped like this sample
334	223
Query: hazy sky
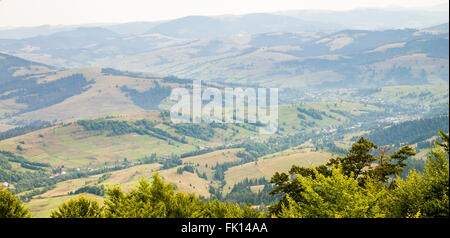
71	12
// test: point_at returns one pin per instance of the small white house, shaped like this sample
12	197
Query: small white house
5	184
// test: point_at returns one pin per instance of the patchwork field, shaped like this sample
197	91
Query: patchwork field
72	147
266	167
42	207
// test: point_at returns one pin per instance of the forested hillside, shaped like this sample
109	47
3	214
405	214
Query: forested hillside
409	132
361	116
341	188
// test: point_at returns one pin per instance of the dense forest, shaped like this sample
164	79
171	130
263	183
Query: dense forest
115	72
116	128
409	132
9	66
149	99
22	130
40	95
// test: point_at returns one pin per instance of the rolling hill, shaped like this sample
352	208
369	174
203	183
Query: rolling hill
32	91
98	116
286	21
341	59
284	59
204	27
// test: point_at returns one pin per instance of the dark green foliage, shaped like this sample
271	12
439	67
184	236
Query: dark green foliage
388	166
424	194
301	116
402	75
409	132
166	161
151	127
187	168
27	196
8	67
330	147
117	128
358	158
23	181
10	206
219	173
315	114
424	145
34	126
413	164
104	177
149	99
222	126
96	190
444	143
363	92
174	79
359	164
242	194
78	208
158	200
19	148
40	95
171	161
203	132
164	114
362	164
197	152
342	113
201	175
110	71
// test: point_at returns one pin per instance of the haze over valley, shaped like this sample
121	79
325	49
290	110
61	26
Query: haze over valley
85	106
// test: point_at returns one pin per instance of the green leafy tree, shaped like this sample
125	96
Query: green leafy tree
444	143
146	201
360	164
424	194
388	166
217	209
80	207
358	159
335	196
11	207
159	200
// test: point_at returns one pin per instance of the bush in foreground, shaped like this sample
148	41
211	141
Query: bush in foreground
11	207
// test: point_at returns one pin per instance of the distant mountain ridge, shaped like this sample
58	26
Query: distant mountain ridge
213	27
442	27
294	20
348	58
357	58
10	65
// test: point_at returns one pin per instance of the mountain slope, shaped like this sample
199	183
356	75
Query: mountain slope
356	58
201	27
377	18
12	67
31	91
341	59
84	46
441	27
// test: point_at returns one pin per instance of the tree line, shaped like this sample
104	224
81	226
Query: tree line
359	184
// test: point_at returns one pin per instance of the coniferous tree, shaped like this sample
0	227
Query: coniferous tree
359	164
